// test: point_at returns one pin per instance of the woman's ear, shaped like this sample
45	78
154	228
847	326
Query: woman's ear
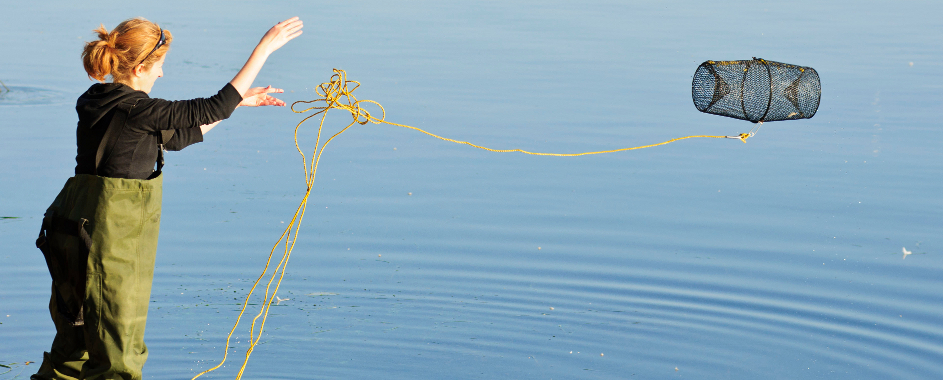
138	70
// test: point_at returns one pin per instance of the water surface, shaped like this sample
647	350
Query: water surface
713	259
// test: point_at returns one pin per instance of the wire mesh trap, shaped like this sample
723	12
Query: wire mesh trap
756	90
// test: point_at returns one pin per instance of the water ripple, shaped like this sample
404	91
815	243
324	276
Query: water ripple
31	96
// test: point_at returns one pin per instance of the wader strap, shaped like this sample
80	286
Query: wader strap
160	159
112	133
165	137
56	262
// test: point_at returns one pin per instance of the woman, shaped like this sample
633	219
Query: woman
99	236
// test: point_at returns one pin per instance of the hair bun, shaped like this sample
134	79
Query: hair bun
110	41
109	38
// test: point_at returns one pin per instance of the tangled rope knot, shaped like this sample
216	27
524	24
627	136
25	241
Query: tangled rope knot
333	92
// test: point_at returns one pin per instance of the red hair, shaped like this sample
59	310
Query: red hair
118	52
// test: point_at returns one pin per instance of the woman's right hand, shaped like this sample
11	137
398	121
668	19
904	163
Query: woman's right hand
275	38
280	34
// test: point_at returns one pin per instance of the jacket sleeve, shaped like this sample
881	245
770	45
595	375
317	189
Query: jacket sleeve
159	114
177	139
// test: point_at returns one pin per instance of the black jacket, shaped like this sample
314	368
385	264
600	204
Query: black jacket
135	151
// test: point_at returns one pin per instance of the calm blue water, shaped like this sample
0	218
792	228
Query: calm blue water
707	259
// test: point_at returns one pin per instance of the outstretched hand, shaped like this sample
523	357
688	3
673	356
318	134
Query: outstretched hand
259	96
280	34
275	38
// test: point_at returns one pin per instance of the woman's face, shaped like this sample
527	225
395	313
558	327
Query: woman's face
148	77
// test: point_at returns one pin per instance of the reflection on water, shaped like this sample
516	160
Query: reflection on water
30	96
812	251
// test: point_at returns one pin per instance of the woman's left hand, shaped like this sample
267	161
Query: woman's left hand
259	96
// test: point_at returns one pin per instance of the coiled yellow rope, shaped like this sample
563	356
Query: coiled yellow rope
337	94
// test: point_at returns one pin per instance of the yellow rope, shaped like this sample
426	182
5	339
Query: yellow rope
337	94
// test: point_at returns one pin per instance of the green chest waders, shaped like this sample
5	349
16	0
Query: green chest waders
99	239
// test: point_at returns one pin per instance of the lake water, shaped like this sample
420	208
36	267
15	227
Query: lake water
704	259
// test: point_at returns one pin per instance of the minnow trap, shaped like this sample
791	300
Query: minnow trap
756	90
